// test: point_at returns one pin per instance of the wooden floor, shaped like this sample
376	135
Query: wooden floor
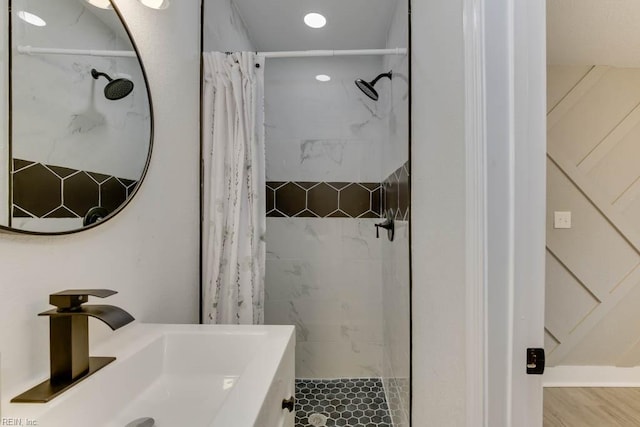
591	407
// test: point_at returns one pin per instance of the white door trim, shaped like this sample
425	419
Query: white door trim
476	207
529	125
505	97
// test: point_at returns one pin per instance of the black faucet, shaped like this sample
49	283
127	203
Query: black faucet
69	340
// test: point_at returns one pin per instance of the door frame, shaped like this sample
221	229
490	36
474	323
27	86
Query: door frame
505	142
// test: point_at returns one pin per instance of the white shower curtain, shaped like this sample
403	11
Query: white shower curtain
234	189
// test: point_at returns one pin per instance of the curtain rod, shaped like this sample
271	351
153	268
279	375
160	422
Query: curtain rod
356	52
29	50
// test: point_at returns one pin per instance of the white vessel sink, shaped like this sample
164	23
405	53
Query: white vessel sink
181	375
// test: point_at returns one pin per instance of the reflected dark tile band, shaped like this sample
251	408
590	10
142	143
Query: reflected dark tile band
48	191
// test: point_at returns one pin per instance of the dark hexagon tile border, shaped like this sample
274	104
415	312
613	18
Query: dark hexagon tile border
322	199
291	199
344	402
37	190
305	199
396	197
45	191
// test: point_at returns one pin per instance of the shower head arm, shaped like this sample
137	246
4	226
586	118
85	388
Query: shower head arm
97	74
115	89
374	81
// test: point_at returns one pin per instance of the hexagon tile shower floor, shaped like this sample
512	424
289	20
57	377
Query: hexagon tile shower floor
342	402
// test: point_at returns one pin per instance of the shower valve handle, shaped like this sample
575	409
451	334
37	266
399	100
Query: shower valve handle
387	225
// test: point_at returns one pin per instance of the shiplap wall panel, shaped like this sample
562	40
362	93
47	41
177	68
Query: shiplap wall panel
592	249
620	167
561	317
594	136
576	93
596	114
612	337
550	343
624	204
632	210
603	149
561	80
630	357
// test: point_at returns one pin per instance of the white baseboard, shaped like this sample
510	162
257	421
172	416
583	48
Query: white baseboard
591	376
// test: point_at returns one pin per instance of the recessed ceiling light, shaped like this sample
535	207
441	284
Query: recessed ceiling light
102	4
315	20
31	18
323	78
156	4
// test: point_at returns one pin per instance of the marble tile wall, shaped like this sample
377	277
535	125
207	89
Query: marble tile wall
223	29
322	131
396	323
396	276
60	115
324	277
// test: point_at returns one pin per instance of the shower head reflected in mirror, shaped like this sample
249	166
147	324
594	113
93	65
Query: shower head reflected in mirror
367	87
116	88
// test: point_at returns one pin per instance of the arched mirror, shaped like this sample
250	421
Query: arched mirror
79	122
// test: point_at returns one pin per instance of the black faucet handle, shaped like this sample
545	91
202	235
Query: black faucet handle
388	225
73	298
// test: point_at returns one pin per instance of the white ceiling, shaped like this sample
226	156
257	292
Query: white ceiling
602	32
276	25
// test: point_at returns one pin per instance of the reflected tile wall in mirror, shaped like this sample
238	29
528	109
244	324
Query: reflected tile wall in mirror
61	117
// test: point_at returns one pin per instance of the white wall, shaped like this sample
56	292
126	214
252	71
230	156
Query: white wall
438	214
149	252
60	115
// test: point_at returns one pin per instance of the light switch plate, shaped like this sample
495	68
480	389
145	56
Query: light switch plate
561	219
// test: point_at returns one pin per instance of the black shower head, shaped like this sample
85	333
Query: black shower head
367	87
115	89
